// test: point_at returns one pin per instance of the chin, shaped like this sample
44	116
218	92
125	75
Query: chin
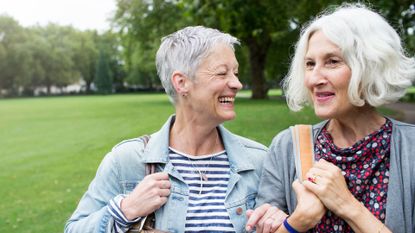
323	114
228	116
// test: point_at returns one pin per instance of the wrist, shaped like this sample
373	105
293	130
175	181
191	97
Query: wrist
299	222
352	210
129	213
114	208
288	227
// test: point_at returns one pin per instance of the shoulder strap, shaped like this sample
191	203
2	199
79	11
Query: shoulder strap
303	146
150	167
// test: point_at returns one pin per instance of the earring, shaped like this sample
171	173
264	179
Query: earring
184	94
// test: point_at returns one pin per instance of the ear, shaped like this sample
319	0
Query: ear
180	83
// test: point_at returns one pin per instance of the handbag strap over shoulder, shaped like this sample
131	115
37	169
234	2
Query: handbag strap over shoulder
150	167
143	225
303	146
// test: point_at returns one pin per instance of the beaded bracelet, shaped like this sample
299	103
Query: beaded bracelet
289	227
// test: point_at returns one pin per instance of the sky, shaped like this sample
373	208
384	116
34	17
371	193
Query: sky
81	14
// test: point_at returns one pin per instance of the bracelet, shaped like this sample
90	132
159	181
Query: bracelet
289	227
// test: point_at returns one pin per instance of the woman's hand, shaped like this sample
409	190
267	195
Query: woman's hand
266	218
149	195
327	182
309	210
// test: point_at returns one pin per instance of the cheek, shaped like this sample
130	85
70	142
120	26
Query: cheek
306	80
343	83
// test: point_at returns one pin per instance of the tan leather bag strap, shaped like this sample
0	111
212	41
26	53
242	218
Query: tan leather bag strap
303	146
150	167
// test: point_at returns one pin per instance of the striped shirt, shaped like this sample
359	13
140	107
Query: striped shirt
207	178
121	223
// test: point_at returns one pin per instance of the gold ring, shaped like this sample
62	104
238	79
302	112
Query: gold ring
313	178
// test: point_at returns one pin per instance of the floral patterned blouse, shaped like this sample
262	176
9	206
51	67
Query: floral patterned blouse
365	166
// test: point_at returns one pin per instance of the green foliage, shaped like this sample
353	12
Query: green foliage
267	29
12	53
103	80
85	55
142	24
51	55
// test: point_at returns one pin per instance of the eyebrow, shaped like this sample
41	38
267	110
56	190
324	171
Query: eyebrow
226	66
330	54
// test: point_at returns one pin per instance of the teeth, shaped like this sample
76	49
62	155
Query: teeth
324	94
226	99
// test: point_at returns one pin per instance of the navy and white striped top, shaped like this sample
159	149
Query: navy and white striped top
206	211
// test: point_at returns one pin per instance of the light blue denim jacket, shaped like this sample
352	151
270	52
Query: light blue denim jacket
124	167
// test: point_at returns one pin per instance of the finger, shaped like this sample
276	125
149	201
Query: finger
249	213
266	226
297	186
313	187
164	184
256	215
280	216
325	165
268	215
266	222
274	222
161	201
164	192
159	176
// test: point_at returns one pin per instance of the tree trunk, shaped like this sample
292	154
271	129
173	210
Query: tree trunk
88	86
257	58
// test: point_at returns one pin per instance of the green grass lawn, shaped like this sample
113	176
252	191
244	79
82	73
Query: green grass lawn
51	147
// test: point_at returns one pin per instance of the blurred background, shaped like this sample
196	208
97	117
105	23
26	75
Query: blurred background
82	47
78	76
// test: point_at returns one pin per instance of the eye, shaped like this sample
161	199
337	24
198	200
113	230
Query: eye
309	65
236	74
333	61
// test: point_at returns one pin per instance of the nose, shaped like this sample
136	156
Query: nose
234	83
316	76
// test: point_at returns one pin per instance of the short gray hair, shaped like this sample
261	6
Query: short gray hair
184	50
381	71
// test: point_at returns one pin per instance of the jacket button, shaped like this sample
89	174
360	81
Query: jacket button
239	211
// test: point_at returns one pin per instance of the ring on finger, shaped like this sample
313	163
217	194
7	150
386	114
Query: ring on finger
312	178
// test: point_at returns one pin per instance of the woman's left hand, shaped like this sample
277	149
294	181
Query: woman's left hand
327	182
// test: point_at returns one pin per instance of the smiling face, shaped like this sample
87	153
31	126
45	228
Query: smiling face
327	78
212	93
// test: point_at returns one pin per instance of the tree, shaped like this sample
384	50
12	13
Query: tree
268	29
141	25
85	55
103	80
53	55
13	56
110	43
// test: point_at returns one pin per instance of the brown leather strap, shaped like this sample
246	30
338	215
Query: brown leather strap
304	149
150	167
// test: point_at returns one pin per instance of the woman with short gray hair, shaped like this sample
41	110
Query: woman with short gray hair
347	63
206	177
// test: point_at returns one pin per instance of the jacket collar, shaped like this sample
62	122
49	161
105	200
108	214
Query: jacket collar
157	149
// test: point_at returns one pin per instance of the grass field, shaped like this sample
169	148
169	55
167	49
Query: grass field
51	147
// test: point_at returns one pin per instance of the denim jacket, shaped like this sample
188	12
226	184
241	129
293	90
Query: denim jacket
124	167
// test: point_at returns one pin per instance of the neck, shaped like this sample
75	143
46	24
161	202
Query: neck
193	137
346	131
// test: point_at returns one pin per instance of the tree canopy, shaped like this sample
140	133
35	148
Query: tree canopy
56	56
